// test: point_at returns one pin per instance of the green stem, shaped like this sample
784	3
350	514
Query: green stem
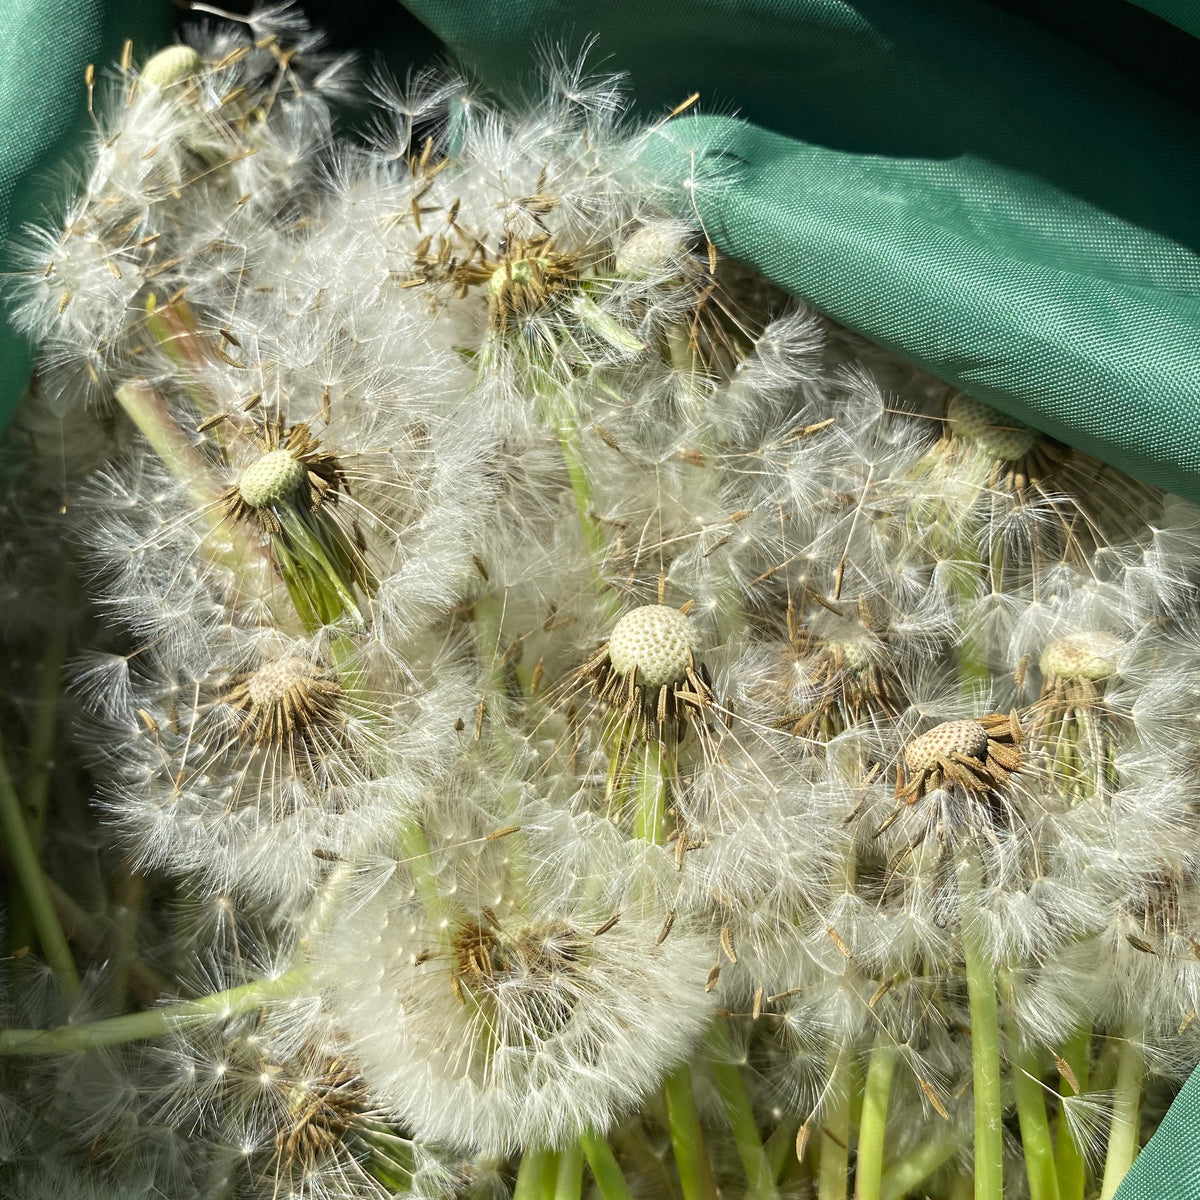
581	489
780	1146
28	869
536	1176
134	1027
606	1171
650	816
418	858
908	1173
687	1137
568	1183
985	1048
1036	1142
36	785
833	1175
145	408
1070	1165
760	1178
1124	1132
877	1090
41	741
561	416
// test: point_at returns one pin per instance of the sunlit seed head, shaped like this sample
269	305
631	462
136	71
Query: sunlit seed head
1082	656
650	250
996	434
968	738
655	641
273	478
172	65
274	681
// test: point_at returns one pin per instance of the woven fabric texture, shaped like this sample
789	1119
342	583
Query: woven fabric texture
45	45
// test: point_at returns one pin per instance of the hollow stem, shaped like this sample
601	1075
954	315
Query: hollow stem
133	1027
28	869
36	785
780	1146
1124	1131
834	1171
985	1046
687	1137
1070	1165
760	1178
606	1171
559	413
537	1176
418	859
650	815
908	1173
868	1174
1036	1143
568	1181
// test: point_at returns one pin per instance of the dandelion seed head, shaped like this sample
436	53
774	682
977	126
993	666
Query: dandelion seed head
654	642
1082	656
968	738
999	436
275	477
170	66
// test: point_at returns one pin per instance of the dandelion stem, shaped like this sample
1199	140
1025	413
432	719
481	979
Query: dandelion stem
41	766
780	1146
568	1183
28	869
908	1173
606	1171
1070	1165
985	1047
877	1091
537	1176
834	1171
687	1138
1124	1132
133	1027
1036	1143
414	846
760	1179
561	415
650	818
45	725
145	408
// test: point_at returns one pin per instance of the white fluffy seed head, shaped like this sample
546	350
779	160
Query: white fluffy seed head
967	738
272	682
276	476
655	641
171	65
650	250
991	430
1091	656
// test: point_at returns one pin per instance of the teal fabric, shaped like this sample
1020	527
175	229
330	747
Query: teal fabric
45	45
1168	1168
1015	214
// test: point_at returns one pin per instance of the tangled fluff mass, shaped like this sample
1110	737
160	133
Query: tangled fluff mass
370	447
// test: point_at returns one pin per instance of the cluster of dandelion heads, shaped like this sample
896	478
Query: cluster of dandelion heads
539	673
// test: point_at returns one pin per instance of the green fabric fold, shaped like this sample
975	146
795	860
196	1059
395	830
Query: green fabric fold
1010	211
45	45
